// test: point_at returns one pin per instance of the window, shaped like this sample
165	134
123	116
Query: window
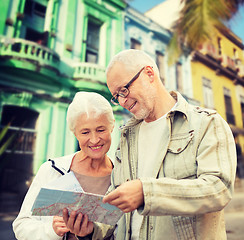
36	36
242	109
19	156
235	53
179	80
207	93
92	48
160	64
34	13
32	7
39	10
135	44
228	107
219	46
236	57
28	7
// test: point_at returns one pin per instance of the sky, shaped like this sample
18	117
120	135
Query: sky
236	24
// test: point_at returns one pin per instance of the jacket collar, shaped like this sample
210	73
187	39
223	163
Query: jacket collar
181	104
62	164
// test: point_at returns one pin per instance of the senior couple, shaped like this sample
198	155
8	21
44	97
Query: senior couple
174	169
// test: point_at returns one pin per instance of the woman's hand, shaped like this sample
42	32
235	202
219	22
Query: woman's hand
77	224
59	226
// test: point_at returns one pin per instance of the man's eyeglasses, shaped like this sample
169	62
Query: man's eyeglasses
124	91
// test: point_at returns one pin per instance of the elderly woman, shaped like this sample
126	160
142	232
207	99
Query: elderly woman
90	118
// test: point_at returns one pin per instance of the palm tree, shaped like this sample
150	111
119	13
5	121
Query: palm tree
199	21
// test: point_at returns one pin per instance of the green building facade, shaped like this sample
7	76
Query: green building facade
49	50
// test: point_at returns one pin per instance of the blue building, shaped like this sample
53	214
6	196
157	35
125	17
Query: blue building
143	33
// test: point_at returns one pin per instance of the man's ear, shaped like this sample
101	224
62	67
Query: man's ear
149	71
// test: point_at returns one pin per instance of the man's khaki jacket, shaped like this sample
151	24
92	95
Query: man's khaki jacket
192	180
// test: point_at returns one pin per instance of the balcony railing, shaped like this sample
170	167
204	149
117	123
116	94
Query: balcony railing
210	50
21	48
240	70
89	71
23	142
229	62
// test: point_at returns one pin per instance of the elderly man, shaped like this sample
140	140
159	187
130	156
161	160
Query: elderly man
175	166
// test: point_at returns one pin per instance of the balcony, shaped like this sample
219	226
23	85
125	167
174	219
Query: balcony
224	66
241	70
228	62
24	139
24	50
90	72
239	67
90	77
210	50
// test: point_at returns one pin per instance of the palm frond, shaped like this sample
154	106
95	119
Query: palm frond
174	50
6	144
4	131
199	21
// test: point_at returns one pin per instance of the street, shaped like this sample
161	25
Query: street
234	216
234	213
6	220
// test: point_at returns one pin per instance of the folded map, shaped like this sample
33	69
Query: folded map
51	202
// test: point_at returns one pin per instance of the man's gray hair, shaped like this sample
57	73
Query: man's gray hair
87	103
133	59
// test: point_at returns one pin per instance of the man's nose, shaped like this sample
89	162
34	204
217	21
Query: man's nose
122	101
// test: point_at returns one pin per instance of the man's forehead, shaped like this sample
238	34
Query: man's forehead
116	74
114	84
117	67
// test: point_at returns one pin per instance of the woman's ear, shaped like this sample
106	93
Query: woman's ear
113	126
74	132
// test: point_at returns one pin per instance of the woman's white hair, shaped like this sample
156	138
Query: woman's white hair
133	59
87	103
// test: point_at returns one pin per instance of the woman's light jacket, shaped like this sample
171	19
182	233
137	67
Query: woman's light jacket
27	227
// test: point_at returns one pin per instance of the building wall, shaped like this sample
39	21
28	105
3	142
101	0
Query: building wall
218	84
41	72
44	77
165	13
220	60
153	38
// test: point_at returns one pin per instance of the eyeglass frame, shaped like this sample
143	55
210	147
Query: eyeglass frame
117	95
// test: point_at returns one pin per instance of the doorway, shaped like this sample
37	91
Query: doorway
17	160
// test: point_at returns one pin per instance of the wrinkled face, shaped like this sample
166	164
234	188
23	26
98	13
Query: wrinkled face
94	135
140	100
